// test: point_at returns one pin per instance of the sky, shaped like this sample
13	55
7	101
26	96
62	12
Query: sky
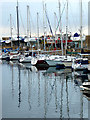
8	7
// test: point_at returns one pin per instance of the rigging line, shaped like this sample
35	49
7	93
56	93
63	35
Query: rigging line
41	24
22	20
33	26
61	16
57	21
22	24
48	22
49	25
14	25
30	22
8	23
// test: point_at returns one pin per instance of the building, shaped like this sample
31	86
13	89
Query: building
87	42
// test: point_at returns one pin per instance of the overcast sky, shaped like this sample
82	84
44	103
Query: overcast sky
8	7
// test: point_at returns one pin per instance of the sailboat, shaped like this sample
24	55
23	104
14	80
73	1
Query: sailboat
80	63
39	60
16	55
64	59
52	60
67	61
26	58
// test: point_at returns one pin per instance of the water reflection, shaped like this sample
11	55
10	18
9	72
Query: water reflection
86	94
45	93
38	89
81	99
45	99
29	90
12	82
61	97
19	86
67	96
56	94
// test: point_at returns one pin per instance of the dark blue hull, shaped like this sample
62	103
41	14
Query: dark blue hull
59	66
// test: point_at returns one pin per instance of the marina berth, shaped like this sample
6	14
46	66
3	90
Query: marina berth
45	59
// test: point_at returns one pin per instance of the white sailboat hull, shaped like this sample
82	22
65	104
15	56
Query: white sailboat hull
79	67
67	63
14	57
53	62
34	61
25	59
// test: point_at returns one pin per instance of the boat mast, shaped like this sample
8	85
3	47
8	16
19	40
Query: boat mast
81	24
38	31
66	26
49	24
17	23
27	22
44	31
60	26
45	22
11	28
55	26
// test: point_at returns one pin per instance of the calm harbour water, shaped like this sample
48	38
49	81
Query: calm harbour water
32	93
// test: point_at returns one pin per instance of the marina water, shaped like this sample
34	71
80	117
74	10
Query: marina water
33	93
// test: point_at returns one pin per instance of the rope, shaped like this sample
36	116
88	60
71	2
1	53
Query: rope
61	16
49	23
